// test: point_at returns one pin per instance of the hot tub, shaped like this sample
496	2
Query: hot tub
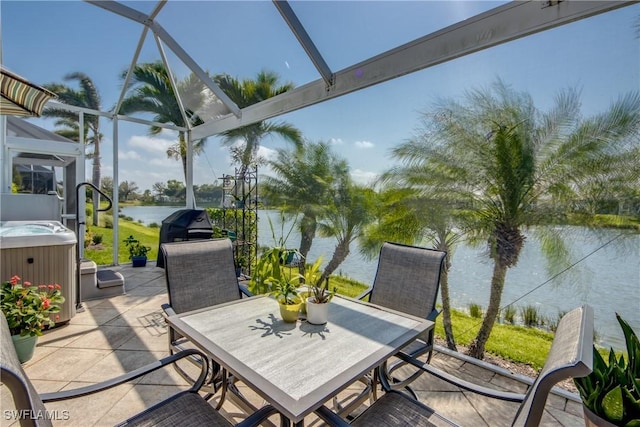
40	252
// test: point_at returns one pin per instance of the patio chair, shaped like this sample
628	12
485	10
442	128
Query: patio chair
199	274
571	355
186	408
407	280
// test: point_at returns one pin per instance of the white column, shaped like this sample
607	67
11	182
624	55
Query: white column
5	159
116	237
191	199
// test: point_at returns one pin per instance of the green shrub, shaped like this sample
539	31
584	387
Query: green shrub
108	222
88	238
154	225
530	315
475	310
553	323
96	239
509	314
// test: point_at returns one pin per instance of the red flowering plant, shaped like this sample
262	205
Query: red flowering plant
29	308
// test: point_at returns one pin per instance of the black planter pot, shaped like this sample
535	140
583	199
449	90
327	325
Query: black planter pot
139	261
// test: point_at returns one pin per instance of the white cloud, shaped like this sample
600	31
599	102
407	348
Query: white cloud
267	153
150	144
336	141
364	144
128	155
363	177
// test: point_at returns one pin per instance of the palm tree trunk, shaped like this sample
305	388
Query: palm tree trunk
307	232
339	255
95	177
446	307
476	349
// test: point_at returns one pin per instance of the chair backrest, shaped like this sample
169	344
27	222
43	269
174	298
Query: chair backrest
571	355
200	273
28	405
408	278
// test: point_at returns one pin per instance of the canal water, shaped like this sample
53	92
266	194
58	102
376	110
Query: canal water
606	276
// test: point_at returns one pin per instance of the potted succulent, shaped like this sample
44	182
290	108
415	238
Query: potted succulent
319	295
28	310
137	251
285	292
611	393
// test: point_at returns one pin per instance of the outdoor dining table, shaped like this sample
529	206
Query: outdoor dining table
296	367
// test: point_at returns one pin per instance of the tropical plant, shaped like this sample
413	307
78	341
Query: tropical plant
345	219
508	165
136	249
248	92
303	182
318	288
612	390
150	91
475	310
530	315
88	97
407	216
29	308
285	290
509	314
321	294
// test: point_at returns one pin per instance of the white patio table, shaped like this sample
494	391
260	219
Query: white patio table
297	367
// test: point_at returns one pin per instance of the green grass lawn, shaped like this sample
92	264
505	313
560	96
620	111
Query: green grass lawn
147	236
516	343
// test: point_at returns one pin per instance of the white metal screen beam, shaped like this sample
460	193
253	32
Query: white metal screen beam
499	25
146	20
33	145
303	38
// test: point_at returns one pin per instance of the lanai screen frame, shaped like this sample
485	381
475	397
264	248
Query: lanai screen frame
499	25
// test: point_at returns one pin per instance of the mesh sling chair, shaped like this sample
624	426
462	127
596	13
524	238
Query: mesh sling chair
186	408
571	356
199	274
407	280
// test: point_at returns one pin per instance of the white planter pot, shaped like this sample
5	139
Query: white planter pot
317	314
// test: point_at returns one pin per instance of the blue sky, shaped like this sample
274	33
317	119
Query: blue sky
43	41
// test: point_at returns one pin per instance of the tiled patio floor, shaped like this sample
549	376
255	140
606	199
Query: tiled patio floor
118	334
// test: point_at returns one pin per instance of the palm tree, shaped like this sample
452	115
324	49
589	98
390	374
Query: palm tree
407	216
302	185
248	92
150	91
88	97
508	165
345	219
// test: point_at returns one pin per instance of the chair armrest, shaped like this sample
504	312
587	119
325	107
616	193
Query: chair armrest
168	310
445	376
330	417
83	391
258	416
433	315
364	294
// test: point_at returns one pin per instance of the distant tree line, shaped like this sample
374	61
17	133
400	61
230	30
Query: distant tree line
171	192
